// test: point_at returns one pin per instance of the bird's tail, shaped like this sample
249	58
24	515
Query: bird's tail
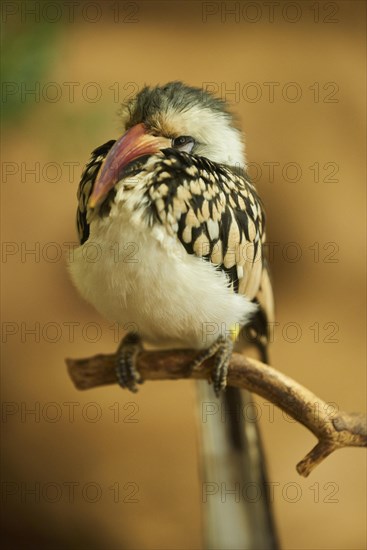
235	493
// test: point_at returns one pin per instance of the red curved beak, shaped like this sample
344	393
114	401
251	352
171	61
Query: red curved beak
135	143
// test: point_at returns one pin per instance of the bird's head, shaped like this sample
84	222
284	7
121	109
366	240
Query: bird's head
177	116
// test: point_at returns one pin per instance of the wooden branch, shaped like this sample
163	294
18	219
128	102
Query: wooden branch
333	431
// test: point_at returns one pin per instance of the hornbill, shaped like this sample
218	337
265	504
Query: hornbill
180	235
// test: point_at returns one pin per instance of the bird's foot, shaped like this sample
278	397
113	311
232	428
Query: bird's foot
126	372
221	350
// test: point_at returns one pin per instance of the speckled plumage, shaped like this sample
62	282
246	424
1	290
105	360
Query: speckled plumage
215	213
86	186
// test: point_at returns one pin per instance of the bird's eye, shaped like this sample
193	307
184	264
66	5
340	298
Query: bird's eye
183	143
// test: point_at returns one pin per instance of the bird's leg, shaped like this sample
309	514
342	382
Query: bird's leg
221	350
126	372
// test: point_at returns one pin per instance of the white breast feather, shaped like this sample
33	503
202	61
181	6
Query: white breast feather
175	299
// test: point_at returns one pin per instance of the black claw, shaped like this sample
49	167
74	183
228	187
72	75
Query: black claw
126	372
222	351
221	367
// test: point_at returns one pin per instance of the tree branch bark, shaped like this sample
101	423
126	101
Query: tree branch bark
333	431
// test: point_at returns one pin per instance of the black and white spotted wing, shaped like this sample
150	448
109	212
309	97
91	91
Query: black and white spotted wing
215	212
86	186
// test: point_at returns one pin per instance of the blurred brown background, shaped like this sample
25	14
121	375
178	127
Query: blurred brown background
113	470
